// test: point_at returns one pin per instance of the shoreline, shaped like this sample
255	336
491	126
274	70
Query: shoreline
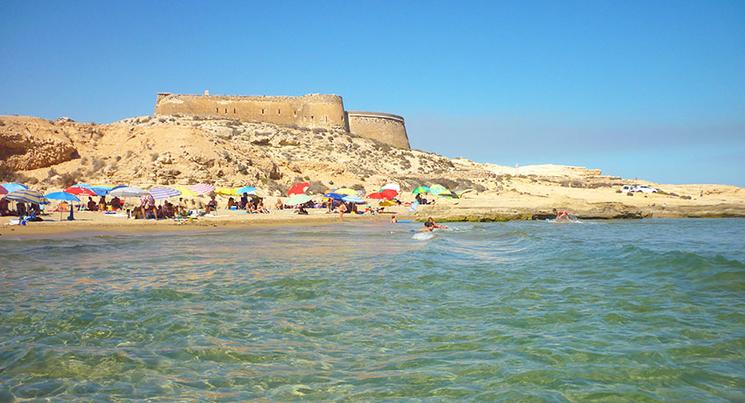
92	224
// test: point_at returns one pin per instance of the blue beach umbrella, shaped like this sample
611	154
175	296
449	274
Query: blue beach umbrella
246	189
335	196
12	187
66	197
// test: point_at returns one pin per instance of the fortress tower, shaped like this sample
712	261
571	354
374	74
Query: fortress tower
309	111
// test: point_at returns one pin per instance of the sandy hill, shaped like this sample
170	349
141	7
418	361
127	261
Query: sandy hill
184	150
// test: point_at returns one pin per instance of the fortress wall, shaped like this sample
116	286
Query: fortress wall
315	110
383	127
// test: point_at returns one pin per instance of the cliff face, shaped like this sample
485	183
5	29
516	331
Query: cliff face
31	143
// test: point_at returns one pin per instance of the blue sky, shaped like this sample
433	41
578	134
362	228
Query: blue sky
648	89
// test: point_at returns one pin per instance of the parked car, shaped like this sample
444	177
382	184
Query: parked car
645	189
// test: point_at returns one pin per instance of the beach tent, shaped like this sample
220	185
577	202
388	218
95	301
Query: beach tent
335	196
420	190
64	196
245	189
298	188
392	186
347	191
12	187
354	199
26	196
202	188
163	192
127	191
296	199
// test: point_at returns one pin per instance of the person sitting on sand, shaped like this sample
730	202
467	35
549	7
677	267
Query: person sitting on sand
212	205
116	203
260	207
301	210
279	205
102	203
92	206
4	207
232	203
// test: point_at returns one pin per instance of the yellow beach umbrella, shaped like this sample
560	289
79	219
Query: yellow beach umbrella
346	191
185	191
226	191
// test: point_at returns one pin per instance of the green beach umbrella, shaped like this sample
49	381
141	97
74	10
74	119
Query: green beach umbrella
420	190
297	199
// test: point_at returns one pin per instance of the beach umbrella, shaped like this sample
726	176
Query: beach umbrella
26	196
335	196
245	189
100	190
226	191
376	195
392	186
298	188
202	188
439	190
3	191
297	199
354	199
12	187
163	192
80	191
127	191
420	190
65	197
347	191
389	193
185	191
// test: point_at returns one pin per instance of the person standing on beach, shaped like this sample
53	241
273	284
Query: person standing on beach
342	210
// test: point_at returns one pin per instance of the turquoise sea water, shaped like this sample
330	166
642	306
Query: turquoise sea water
619	310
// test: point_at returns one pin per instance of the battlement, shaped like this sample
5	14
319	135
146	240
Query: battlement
309	111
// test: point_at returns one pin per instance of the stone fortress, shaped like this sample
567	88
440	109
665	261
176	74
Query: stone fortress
307	111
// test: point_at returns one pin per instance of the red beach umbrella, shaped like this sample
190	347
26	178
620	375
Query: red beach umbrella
376	195
3	191
389	193
80	191
298	188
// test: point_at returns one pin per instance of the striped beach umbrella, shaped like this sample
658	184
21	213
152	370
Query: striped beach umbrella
163	192
127	191
27	196
12	187
202	188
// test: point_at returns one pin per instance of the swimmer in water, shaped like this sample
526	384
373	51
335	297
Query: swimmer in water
394	219
561	215
430	225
